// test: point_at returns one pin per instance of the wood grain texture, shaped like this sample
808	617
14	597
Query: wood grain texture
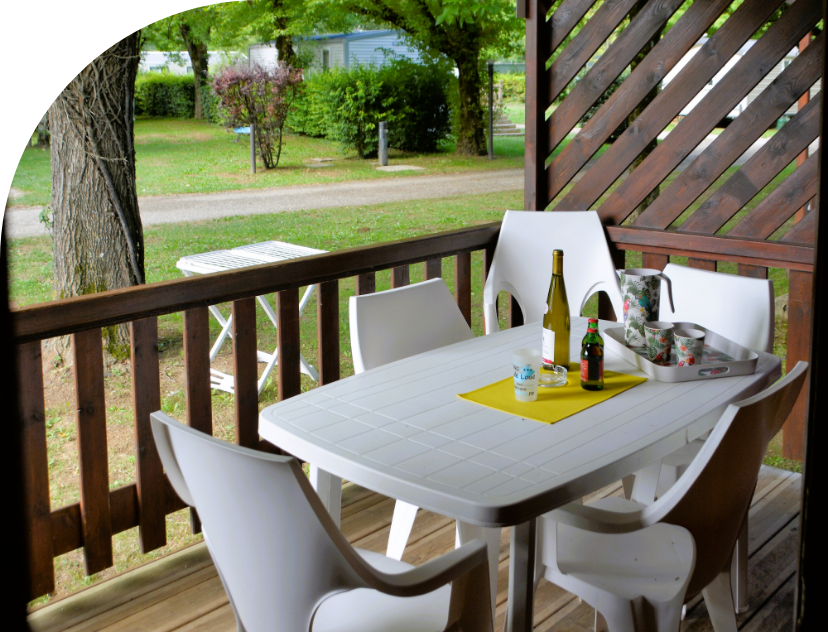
565	18
702	264
366	283
462	284
535	191
31	415
717	103
669	50
803	232
67	316
146	399
735	139
754	252
93	458
781	203
433	269
197	388
754	272
757	172
654	261
590	38
327	327
800	305
400	277
611	64
703	66
245	372
287	310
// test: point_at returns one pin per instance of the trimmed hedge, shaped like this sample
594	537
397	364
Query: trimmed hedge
347	105
168	95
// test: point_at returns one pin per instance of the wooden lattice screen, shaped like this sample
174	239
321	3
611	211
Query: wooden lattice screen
719	217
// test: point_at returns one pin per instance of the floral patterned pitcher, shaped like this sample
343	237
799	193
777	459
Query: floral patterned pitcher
640	289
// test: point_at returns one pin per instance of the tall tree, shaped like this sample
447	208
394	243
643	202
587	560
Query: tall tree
458	29
98	237
191	30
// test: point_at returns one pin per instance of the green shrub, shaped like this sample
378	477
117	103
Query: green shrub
164	94
514	87
347	105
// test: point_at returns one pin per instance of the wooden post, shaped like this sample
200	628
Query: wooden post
327	325
801	103
146	399
90	404
32	423
462	284
800	305
198	397
538	32
366	283
245	372
400	277
287	312
433	269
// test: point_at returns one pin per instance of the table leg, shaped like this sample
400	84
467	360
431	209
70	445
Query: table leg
468	532
520	609
329	488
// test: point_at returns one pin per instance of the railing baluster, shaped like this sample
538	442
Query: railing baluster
198	397
651	260
287	310
92	452
702	264
366	283
245	371
462	284
327	319
146	399
433	269
756	272
400	277
32	419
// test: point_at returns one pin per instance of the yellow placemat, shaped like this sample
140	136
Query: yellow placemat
553	404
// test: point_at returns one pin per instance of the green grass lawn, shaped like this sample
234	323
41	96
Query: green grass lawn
188	156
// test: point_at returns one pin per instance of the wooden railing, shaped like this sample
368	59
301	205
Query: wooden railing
101	512
624	34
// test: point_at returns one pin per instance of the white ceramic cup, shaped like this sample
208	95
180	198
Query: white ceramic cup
526	364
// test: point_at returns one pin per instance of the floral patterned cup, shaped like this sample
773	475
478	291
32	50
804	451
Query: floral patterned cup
659	335
689	346
640	290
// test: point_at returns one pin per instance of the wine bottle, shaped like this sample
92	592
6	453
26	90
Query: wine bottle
592	358
555	345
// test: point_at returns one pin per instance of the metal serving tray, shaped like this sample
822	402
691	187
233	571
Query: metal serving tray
721	358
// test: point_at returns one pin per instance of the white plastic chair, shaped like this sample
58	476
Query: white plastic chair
708	298
287	567
395	324
710	500
522	263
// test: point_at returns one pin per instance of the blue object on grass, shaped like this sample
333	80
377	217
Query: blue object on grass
242	130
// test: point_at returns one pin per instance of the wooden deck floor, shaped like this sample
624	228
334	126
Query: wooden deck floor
182	591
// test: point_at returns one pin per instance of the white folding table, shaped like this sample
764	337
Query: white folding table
402	431
242	257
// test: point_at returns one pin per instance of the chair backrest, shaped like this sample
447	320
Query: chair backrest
712	497
703	297
278	549
522	263
402	322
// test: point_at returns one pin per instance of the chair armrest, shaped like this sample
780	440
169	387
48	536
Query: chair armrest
431	575
596	520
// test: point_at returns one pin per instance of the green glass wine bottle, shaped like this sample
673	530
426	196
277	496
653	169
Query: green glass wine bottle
555	344
592	358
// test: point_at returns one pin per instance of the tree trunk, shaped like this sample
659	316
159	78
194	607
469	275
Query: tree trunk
650	148
199	58
471	139
284	42
98	237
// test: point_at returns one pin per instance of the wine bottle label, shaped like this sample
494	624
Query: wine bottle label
548	347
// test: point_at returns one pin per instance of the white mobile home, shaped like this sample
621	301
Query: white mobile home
178	63
341	49
753	94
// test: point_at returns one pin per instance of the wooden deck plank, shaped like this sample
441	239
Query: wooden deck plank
182	591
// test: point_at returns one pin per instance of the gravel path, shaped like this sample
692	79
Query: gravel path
23	221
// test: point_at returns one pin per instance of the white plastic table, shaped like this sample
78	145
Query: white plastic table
401	430
243	257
